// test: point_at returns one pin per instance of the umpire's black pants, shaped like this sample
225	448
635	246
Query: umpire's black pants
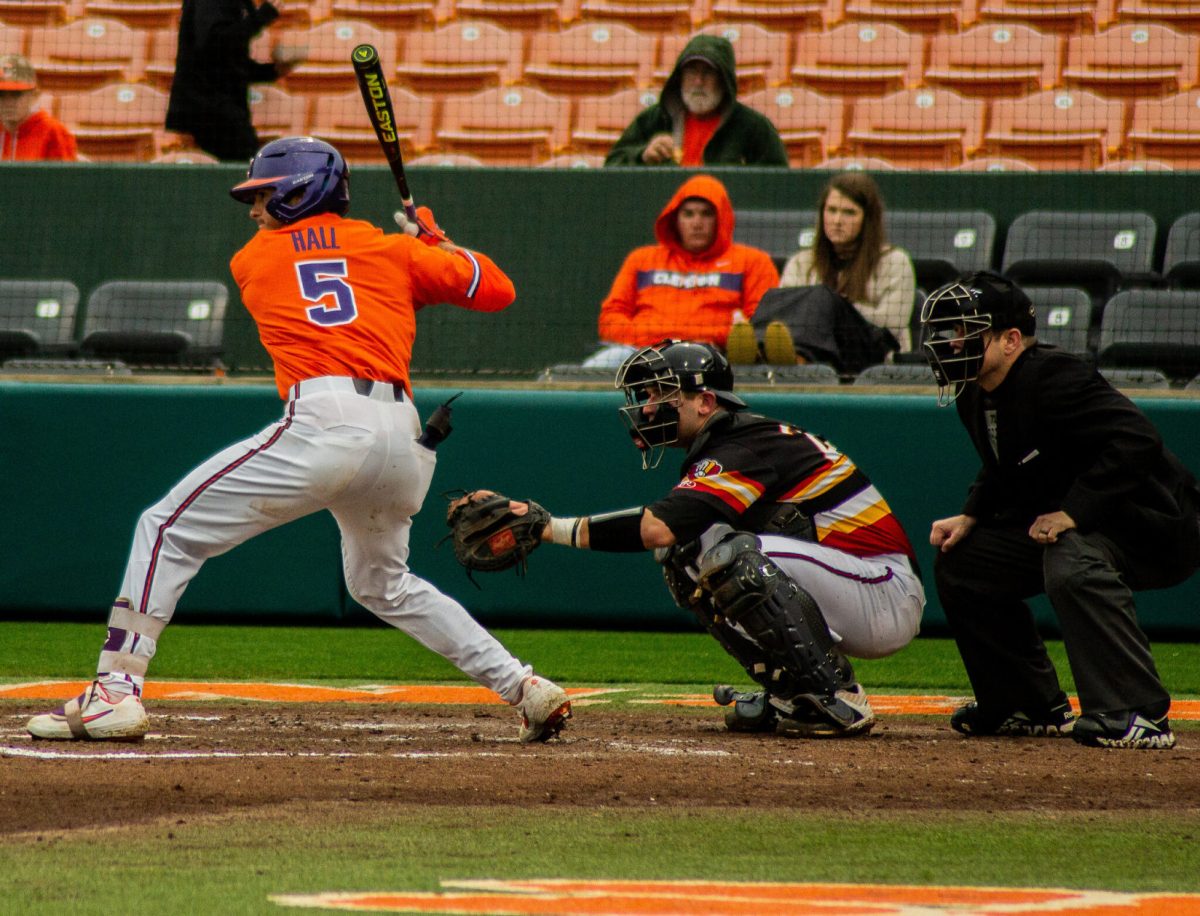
983	582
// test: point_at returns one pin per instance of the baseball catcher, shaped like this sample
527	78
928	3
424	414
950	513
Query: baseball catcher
775	540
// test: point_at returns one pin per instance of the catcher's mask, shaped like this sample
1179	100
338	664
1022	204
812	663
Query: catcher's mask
660	374
956	318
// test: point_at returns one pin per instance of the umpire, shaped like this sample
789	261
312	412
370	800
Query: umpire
1077	497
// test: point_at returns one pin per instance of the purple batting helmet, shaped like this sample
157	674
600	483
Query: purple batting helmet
307	175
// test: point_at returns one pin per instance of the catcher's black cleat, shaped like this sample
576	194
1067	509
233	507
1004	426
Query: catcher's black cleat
846	714
972	720
749	712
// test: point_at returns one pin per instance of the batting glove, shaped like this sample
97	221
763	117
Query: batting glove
424	229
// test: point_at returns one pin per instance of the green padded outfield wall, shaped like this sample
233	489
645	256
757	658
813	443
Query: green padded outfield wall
79	462
561	234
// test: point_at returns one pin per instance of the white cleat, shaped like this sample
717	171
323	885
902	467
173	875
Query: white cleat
93	716
544	709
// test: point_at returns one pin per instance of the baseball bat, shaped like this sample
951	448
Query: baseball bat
368	70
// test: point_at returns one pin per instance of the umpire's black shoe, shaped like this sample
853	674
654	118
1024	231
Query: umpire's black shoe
748	712
972	720
1124	729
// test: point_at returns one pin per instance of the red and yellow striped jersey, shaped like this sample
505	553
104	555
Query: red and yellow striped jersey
744	468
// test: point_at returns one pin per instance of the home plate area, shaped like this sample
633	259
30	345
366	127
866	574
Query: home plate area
228	746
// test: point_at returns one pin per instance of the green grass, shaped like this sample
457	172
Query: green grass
358	654
232	866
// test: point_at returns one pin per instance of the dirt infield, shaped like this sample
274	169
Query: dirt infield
221	755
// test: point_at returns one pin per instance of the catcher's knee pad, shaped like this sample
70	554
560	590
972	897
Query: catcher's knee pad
783	619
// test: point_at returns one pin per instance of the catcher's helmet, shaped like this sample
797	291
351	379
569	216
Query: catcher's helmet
307	176
665	369
955	318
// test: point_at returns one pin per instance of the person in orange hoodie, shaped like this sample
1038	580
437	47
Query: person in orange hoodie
692	285
26	131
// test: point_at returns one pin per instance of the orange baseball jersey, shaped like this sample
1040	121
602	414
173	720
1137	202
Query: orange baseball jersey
336	296
38	137
664	291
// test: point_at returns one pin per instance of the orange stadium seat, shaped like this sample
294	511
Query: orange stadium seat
809	123
186	157
463	56
1057	128
853	59
1129	60
995	164
327	68
591	58
395	14
87	53
138	14
574	161
600	120
917	128
508	126
448	160
926	16
277	113
120	121
12	39
526	15
995	59
856	164
1167	129
780	15
160	59
1063	16
761	55
302	15
39	12
341	120
664	16
1180	14
1137	165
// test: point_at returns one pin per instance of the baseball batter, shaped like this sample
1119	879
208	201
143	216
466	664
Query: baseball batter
334	300
777	541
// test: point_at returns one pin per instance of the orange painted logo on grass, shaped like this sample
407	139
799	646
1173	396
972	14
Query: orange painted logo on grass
283	693
452	695
567	897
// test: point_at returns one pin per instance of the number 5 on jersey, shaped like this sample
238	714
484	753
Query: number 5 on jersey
318	281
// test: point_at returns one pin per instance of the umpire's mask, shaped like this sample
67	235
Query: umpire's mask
955	319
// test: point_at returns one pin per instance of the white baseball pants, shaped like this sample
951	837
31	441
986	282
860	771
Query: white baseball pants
873	605
353	454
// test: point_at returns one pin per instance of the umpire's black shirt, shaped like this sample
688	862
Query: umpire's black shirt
1064	439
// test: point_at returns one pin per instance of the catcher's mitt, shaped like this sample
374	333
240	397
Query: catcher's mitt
489	536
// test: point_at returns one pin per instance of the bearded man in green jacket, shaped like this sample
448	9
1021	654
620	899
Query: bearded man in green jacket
698	120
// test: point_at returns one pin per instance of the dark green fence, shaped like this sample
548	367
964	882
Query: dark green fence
79	463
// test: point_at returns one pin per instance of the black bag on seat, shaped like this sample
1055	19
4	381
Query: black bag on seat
825	327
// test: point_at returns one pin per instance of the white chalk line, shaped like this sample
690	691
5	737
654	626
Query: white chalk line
568	752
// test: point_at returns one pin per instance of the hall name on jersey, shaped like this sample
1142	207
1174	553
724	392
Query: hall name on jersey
680	280
315	237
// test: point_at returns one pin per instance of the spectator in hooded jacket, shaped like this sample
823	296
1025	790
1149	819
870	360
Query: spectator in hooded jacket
698	120
26	131
691	285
